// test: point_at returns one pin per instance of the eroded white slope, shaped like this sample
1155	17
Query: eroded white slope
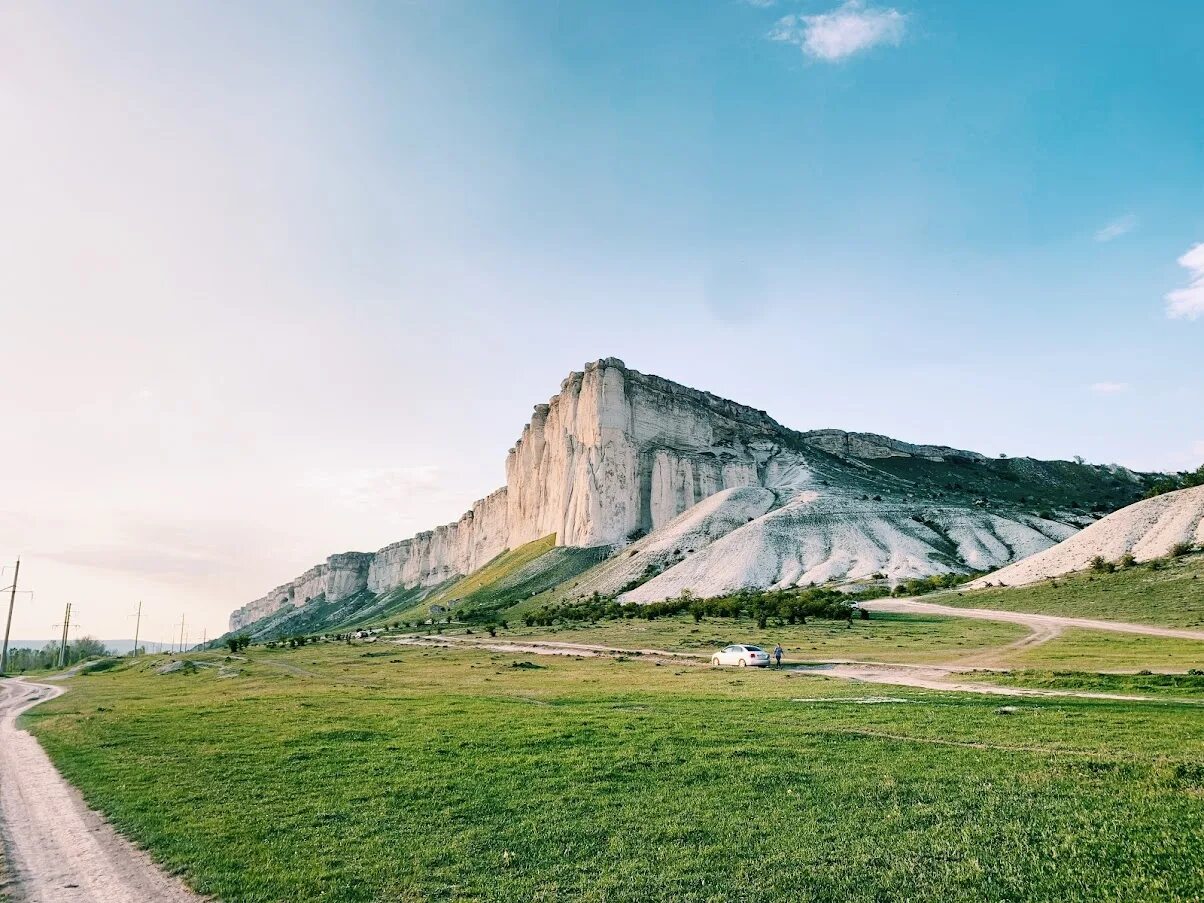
1145	530
685	535
819	538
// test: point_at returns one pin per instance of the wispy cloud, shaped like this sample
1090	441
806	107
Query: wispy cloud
1109	388
1120	226
844	31
761	4
1188	303
383	487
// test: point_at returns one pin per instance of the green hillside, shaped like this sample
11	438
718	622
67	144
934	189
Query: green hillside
1169	593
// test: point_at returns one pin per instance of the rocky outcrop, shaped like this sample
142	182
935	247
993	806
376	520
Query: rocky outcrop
614	453
338	577
869	446
618	454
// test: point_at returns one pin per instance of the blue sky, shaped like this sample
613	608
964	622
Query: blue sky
281	281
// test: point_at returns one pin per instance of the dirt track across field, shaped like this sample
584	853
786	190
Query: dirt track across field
59	850
1032	621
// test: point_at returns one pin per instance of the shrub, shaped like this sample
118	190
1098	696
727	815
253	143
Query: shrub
1126	560
1102	565
1179	549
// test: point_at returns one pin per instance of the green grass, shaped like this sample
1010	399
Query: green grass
1094	650
1183	686
1171	597
511	576
381	774
885	638
495	570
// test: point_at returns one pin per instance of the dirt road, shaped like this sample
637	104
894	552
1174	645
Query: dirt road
1036	622
548	647
936	677
58	849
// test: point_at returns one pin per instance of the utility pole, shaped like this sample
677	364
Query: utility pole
181	634
63	644
8	626
137	624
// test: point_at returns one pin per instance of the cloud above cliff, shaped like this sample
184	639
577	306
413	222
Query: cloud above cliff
1122	225
836	35
1188	303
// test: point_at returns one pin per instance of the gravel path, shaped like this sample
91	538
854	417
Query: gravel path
58	849
1033	621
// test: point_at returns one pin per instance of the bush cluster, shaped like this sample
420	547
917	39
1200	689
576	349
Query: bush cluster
791	606
918	586
1177	481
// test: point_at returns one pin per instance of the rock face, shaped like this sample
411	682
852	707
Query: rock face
618	454
616	451
1148	529
335	579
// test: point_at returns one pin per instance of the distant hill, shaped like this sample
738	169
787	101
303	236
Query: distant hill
680	489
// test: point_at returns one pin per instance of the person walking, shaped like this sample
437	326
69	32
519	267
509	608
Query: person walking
777	654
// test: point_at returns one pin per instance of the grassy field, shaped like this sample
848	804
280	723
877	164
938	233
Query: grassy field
371	773
1172	596
912	639
1092	650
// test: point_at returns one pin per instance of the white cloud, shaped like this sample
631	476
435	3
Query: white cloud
761	4
834	35
1120	226
1108	388
1188	303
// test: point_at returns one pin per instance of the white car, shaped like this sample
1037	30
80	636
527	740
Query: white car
741	656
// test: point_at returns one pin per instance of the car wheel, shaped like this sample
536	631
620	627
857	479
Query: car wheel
743	663
715	662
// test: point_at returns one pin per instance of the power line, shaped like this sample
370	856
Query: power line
137	624
8	626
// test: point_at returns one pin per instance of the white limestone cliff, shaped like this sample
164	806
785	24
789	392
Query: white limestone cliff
615	452
619	454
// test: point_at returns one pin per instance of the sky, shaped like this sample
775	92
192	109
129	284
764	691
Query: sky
279	280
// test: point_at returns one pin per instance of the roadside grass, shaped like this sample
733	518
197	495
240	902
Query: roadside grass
370	773
886	637
1182	686
1171	596
1097	650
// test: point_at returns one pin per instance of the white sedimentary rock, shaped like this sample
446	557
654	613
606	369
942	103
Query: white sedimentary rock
616	451
618	454
1145	530
820	537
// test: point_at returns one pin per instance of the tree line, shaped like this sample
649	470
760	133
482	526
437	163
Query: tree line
783	606
21	660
